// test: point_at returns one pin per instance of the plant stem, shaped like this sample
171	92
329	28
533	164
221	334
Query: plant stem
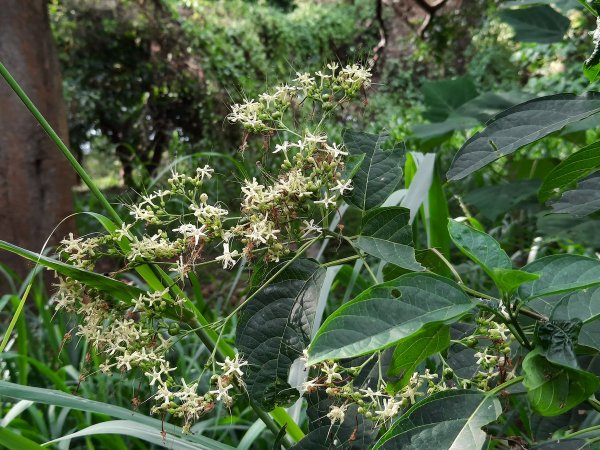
505	385
59	143
341	261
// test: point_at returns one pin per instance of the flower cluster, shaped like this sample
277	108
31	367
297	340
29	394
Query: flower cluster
329	89
178	226
494	359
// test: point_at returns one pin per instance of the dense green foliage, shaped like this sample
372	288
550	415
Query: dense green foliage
420	271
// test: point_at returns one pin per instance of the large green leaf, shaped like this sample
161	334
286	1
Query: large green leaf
379	173
387	235
480	247
121	291
560	273
274	329
553	389
494	201
448	420
540	23
583	200
583	305
443	97
388	313
576	167
408	355
398	254
62	399
519	126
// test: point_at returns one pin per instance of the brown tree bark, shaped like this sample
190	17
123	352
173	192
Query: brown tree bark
35	179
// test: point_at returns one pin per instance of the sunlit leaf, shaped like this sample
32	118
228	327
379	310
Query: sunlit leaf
518	126
448	420
388	313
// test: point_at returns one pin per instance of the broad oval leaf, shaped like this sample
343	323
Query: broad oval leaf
443	97
553	389
581	201
387	234
539	23
412	351
274	329
447	420
388	313
560	273
519	126
576	167
379	172
479	246
583	305
121	291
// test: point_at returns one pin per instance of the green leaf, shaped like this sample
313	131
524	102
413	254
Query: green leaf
449	420
565	444
479	246
519	126
581	201
509	280
387	235
274	329
390	223
62	399
408	355
576	167
121	291
582	305
494	201
443	97
137	430
437	232
541	24
379	173
554	389
388	313
398	254
560	273
556	340
14	441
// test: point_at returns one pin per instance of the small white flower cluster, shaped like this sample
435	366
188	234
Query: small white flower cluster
81	252
373	404
185	402
494	359
328	89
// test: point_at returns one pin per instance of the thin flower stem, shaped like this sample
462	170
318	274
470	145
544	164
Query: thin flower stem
341	261
505	385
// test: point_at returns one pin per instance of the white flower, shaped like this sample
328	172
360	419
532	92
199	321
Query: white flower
309	385
281	148
154	376
371	393
310	227
315	138
233	366
227	257
498	331
337	413
327	201
390	409
342	186
335	150
189	230
331	372
164	394
202	172
221	390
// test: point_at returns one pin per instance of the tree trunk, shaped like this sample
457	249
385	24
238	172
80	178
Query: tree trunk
35	179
